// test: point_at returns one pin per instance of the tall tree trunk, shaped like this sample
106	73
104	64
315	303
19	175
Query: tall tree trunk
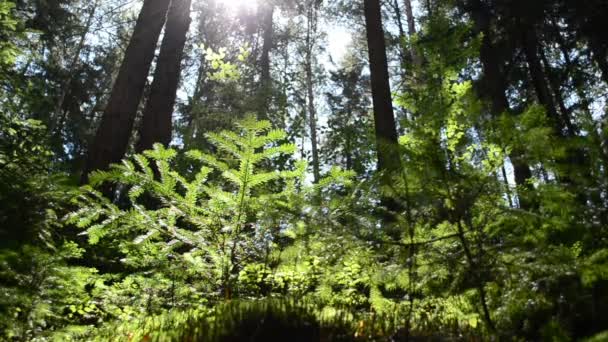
156	123
399	20
312	111
409	13
405	58
494	86
265	80
112	138
555	87
411	30
384	118
576	159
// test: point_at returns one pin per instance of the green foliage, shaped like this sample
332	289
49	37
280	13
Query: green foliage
227	228
496	228
264	320
349	135
38	284
41	293
178	244
211	222
31	196
223	70
9	28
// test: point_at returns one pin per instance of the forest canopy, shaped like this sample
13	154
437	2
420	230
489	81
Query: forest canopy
307	170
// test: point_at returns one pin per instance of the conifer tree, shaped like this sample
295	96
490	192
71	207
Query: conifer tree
112	138
156	125
384	118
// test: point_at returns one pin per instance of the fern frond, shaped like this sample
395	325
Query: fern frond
263	178
251	124
160	152
144	164
225	144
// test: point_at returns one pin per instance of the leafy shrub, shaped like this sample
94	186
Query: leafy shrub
40	290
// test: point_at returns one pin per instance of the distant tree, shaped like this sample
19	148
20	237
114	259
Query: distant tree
265	87
349	136
311	33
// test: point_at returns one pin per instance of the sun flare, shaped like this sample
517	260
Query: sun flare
239	4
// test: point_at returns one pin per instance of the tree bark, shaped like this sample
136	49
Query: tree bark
411	30
576	160
409	14
156	125
600	55
555	87
494	86
312	111
59	114
194	104
112	138
384	118
399	20
265	79
539	82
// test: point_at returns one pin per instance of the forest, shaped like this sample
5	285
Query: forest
304	170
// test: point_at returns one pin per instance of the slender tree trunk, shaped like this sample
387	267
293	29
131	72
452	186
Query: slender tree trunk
58	112
555	87
265	79
312	111
399	20
411	30
474	266
585	104
600	55
506	182
409	13
112	138
156	125
537	75
348	149
576	159
384	118
193	106
405	59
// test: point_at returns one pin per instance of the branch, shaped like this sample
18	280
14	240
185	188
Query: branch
419	243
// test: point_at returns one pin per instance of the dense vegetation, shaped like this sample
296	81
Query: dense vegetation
225	170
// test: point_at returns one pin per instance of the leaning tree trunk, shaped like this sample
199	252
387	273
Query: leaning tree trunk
156	124
384	118
112	138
